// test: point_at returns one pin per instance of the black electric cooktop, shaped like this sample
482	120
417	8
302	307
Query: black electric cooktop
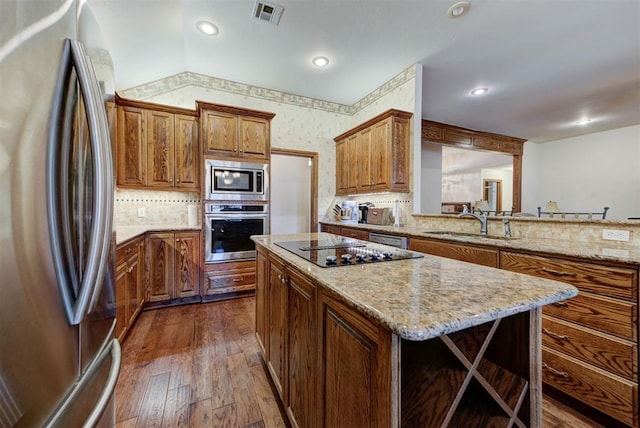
334	252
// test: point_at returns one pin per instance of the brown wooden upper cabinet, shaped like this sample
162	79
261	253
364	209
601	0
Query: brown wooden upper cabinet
232	132
374	156
157	147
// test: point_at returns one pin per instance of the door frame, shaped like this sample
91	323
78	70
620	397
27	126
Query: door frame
314	179
485	192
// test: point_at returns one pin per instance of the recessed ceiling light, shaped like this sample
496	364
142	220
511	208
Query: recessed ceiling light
479	91
320	61
207	28
458	9
583	121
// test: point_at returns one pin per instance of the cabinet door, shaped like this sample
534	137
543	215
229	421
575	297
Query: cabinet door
262	303
379	155
363	148
277	363
187	161
302	349
254	137
356	376
160	149
187	254
133	284
219	133
342	163
159	262
122	278
131	147
351	164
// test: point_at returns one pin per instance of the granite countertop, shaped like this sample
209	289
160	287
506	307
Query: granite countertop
604	251
419	299
125	233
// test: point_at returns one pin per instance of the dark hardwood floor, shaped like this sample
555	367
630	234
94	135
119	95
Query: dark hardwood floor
200	366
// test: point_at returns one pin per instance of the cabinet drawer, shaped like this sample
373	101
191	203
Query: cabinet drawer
124	251
331	229
464	253
234	279
363	235
606	280
608	393
606	352
612	316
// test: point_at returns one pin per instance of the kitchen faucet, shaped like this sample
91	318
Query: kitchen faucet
482	218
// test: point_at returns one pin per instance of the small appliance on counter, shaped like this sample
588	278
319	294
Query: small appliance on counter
349	212
381	216
364	211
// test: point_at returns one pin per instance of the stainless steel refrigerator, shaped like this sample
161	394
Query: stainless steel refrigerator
59	361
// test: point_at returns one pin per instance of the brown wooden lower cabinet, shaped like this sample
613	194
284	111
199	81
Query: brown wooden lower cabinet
172	266
129	279
350	232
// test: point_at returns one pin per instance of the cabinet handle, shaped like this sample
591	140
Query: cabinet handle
557	272
237	279
555	372
555	335
561	304
128	250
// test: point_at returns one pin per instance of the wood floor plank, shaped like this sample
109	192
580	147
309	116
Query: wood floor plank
178	407
201	414
266	396
130	389
244	391
154	401
129	423
226	417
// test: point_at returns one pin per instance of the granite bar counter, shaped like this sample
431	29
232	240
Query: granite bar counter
590	246
417	342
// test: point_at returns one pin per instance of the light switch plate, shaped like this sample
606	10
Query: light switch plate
142	212
615	235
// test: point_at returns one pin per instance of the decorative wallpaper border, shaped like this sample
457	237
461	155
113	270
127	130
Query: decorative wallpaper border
127	195
187	78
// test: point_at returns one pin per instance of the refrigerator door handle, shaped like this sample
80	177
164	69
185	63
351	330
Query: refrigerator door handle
77	306
103	199
109	387
115	351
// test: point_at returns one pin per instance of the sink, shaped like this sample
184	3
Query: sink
468	235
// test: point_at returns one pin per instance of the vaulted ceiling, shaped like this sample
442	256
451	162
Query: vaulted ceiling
546	63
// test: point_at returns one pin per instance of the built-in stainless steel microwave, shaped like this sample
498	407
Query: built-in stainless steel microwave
236	181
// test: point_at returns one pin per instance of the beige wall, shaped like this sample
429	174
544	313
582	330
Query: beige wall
300	123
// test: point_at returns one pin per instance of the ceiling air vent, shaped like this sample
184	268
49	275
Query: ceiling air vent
269	12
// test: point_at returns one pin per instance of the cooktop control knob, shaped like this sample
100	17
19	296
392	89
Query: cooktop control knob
387	255
331	260
346	258
361	258
375	256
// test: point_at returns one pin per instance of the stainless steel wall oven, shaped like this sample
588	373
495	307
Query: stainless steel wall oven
228	228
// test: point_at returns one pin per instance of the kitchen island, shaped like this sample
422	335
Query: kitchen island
417	342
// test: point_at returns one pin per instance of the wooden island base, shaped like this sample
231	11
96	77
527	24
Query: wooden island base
334	366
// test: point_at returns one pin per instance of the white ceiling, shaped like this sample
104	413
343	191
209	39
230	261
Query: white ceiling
547	63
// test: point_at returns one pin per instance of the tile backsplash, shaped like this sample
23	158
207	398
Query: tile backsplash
160	208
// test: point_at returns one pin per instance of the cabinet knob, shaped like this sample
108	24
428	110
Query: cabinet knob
177	180
128	250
